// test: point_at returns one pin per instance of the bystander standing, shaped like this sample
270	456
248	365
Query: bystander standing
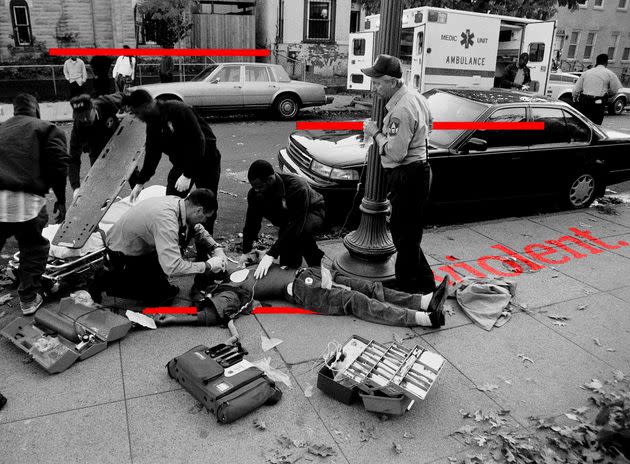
76	75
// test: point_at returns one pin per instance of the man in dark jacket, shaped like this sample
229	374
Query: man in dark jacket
175	129
290	204
100	67
95	122
33	158
517	76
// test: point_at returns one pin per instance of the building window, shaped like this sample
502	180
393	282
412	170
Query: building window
588	49
582	3
319	20
623	5
598	5
625	56
573	44
614	39
21	22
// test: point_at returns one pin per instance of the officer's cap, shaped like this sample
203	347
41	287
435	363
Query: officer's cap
385	65
80	104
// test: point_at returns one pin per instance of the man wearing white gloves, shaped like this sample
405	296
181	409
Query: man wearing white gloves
175	129
145	247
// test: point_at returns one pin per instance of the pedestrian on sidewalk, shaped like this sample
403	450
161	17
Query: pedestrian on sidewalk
33	158
402	145
100	67
291	204
95	122
76	75
176	129
593	88
124	71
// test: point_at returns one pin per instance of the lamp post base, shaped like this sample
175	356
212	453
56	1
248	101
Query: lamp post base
381	271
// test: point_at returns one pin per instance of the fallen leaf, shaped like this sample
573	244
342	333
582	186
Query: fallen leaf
481	440
365	432
558	317
559	324
487	387
582	307
526	358
555	276
286	442
397	339
408	435
321	450
308	390
4	299
451	459
611	350
619	376
465	414
573	417
396	447
596	341
466	429
503	412
594	385
259	424
581	410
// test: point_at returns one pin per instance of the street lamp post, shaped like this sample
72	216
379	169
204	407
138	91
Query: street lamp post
370	250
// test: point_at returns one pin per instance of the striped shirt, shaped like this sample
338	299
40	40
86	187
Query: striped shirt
19	206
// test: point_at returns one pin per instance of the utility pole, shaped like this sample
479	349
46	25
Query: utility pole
370	250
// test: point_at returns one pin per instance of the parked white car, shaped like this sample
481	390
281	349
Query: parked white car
561	84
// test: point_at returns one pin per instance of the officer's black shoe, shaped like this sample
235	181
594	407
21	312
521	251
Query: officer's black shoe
3	401
439	296
437	318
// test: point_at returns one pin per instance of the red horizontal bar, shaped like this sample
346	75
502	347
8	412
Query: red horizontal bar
281	310
158	52
332	125
489	125
358	125
171	310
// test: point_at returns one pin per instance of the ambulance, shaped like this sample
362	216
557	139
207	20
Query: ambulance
441	47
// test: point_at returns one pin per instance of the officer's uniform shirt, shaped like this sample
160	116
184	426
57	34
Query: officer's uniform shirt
406	126
597	82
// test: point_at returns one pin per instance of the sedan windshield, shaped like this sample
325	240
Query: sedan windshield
205	73
446	107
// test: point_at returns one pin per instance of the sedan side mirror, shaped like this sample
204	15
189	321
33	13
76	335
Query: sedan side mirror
476	144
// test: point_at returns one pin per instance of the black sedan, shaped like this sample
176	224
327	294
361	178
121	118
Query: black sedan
571	159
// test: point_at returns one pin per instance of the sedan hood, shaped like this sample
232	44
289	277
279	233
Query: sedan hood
333	148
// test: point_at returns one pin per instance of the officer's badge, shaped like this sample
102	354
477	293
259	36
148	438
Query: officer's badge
394	125
171	129
109	123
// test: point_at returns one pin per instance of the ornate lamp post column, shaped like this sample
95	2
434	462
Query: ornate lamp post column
370	250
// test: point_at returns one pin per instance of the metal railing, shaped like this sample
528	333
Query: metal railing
294	67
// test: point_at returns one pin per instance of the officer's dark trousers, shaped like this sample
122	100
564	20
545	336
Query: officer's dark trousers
33	252
207	176
101	86
366	300
74	89
136	277
304	245
408	191
74	169
590	109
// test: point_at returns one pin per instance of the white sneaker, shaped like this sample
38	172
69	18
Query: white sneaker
32	306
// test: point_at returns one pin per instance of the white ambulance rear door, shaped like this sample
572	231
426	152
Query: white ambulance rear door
417	58
538	42
360	55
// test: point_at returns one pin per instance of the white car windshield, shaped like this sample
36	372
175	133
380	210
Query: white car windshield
446	107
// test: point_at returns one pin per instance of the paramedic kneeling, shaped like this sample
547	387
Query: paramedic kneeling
403	149
144	247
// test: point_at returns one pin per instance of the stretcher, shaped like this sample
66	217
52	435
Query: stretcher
69	268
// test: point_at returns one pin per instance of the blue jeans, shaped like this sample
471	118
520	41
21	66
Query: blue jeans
367	300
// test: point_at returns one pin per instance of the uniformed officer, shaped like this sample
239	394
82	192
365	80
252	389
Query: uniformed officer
593	87
95	122
176	129
402	144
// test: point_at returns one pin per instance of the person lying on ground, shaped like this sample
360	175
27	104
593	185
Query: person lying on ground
316	289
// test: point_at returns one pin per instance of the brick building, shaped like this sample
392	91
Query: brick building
65	23
597	26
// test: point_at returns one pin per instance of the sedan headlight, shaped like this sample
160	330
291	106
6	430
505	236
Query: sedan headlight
344	174
321	169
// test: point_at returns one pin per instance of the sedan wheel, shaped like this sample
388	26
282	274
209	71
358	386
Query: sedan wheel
617	106
581	192
287	107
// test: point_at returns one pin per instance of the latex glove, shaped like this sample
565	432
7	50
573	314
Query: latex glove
217	263
60	212
369	128
263	267
135	192
182	184
525	87
327	280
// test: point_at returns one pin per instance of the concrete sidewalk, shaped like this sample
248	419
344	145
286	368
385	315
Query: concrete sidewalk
121	407
61	111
